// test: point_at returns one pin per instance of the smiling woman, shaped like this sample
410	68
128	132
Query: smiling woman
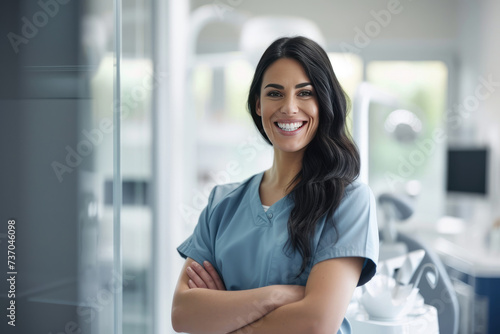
283	251
288	106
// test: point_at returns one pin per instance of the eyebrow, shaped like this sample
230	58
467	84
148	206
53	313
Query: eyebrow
300	85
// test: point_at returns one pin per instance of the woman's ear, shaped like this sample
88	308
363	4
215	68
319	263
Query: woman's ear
257	107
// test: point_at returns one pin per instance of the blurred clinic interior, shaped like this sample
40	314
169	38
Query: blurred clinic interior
117	117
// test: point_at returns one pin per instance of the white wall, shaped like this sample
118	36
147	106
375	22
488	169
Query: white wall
422	20
478	52
489	112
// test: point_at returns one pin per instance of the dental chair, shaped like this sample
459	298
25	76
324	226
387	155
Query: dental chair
443	296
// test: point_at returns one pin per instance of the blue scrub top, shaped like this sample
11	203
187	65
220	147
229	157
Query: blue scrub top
246	244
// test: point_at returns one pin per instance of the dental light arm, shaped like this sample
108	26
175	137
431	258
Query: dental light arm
394	207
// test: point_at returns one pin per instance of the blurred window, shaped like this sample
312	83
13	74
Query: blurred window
407	143
137	84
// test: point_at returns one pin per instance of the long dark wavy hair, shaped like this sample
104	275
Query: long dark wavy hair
331	160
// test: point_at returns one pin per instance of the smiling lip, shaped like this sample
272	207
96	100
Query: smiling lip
289	127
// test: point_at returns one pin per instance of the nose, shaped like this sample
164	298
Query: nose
290	106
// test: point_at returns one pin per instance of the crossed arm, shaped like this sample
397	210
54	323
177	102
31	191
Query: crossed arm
201	304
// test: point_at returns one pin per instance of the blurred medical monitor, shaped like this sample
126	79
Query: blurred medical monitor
467	170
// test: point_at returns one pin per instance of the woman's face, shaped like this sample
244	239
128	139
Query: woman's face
288	106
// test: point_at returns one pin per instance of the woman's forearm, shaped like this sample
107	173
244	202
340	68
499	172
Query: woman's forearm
288	319
215	311
328	292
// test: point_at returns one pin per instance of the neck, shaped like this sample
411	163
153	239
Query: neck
285	167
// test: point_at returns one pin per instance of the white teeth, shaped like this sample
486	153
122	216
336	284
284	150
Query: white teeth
290	126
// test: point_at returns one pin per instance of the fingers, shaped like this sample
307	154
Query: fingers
204	277
201	277
215	276
191	284
195	278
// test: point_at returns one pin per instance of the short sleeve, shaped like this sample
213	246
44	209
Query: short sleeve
200	245
355	233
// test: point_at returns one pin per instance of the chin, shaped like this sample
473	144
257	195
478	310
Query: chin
290	148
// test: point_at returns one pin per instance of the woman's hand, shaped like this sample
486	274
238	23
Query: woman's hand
204	277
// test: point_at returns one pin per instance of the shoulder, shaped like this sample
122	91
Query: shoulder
357	213
357	190
220	191
354	232
357	196
357	210
230	191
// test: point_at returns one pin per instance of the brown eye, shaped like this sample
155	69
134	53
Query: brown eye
274	93
306	93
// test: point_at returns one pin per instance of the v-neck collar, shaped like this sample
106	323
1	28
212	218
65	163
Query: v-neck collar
257	209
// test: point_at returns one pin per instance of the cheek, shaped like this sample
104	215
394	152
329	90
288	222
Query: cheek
266	123
314	130
315	124
315	117
265	115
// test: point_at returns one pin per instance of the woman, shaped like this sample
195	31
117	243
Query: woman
283	251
